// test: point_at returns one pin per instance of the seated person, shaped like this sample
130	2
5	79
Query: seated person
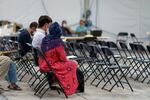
25	36
66	30
81	29
64	69
8	72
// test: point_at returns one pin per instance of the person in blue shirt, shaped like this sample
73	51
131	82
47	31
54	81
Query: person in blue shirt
25	36
81	29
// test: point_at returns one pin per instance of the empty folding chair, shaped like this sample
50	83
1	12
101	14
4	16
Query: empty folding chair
79	54
146	62
148	49
116	71
101	68
135	39
141	62
90	59
130	58
122	37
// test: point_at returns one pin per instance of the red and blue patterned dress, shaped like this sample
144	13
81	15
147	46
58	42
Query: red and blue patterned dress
64	69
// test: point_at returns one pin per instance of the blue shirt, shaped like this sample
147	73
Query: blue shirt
23	38
81	29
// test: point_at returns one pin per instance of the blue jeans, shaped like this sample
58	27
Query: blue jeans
11	76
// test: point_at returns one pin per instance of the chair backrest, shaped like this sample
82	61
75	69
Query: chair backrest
142	51
141	48
132	35
85	49
135	39
112	44
148	48
76	48
133	46
135	49
106	51
123	46
122	37
102	43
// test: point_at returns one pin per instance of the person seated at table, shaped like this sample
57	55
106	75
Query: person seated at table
8	72
25	36
64	69
81	29
66	30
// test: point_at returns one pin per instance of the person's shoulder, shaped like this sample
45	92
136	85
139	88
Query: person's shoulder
23	32
78	29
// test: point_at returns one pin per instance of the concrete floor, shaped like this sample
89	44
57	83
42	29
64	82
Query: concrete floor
141	92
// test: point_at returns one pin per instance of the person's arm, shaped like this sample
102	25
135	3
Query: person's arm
34	41
61	53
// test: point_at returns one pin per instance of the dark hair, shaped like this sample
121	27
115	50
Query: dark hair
43	20
33	24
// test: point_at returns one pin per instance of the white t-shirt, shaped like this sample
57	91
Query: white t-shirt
37	38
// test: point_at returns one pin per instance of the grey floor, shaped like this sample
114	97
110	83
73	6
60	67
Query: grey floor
2	97
141	92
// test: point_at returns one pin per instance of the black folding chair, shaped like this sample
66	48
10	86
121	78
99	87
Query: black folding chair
122	37
102	43
141	62
115	69
146	62
130	58
76	48
101	68
135	39
148	49
90	58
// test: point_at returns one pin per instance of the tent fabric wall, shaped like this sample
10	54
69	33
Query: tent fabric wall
21	11
69	10
24	12
124	15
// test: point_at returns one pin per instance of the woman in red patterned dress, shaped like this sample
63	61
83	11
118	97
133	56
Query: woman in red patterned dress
65	70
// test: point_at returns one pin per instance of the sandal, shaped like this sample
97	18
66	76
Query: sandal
16	87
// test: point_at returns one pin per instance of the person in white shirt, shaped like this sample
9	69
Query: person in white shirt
43	22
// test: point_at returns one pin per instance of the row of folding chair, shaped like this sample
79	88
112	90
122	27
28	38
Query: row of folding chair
83	56
115	65
100	65
141	57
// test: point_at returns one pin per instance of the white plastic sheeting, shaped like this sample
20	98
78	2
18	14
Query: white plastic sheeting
26	11
21	11
123	16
